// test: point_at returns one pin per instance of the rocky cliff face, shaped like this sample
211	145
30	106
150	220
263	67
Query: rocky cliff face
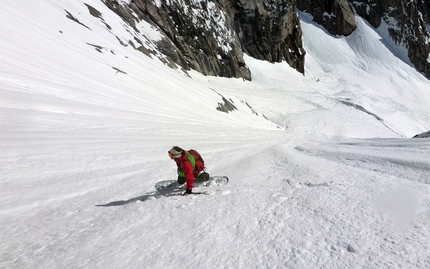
211	36
269	30
336	15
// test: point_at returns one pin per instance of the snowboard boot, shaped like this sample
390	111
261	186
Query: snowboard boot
202	177
181	180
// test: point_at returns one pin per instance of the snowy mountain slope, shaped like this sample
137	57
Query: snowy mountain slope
376	80
82	145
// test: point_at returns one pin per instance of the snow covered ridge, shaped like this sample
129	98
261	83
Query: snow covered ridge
405	23
406	26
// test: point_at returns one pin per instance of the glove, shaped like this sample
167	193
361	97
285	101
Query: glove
188	191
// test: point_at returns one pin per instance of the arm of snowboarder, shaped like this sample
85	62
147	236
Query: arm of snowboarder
188	173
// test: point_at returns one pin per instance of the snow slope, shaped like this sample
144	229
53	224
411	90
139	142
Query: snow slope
330	180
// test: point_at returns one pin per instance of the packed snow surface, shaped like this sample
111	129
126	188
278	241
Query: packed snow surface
323	173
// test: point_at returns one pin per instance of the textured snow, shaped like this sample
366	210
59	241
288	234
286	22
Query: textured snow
330	180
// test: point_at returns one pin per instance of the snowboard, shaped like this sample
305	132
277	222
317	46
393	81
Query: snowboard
212	181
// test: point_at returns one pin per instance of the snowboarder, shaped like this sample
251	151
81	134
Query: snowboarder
190	165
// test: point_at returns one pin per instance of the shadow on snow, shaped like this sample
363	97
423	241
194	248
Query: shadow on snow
143	198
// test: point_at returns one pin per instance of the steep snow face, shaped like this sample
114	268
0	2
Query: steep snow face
375	78
400	50
72	56
405	24
319	173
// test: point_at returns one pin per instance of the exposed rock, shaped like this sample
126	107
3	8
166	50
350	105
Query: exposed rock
125	13
119	70
370	10
226	106
70	16
97	47
336	16
423	135
270	30
94	12
211	36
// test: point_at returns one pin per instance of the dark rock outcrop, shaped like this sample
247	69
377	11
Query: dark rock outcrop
270	30
423	135
336	15
211	36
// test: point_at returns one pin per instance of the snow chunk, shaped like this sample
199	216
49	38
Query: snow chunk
158	3
329	15
149	31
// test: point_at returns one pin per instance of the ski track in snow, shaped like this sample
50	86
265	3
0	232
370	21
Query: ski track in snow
320	184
